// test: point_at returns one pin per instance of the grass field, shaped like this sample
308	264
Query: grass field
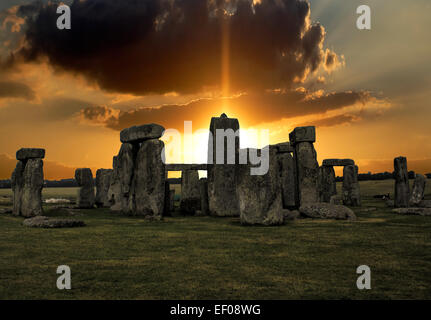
118	257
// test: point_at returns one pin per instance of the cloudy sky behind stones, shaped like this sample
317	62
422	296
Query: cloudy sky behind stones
273	64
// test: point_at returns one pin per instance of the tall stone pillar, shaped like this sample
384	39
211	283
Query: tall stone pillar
351	191
307	168
27	182
287	174
190	193
402	188
327	183
86	196
221	176
103	181
203	188
418	191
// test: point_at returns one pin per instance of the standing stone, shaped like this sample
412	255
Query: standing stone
27	182
418	190
221	177
103	181
17	184
31	201
147	196
351	191
171	200
168	208
260	199
122	176
190	192
327	183
203	188
288	179
86	197
402	188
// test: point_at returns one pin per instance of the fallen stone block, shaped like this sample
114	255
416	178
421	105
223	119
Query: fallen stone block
327	211
46	222
413	211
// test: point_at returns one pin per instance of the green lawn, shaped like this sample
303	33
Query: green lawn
118	257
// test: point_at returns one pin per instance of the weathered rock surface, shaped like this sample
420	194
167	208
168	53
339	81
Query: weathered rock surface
307	173
288	179
327	211
46	222
260	199
190	192
327	184
122	176
222	196
103	181
30	153
338	162
402	189
203	189
147	197
27	184
168	208
424	204
284	147
336	199
141	133
418	190
86	196
351	191
303	134
290	214
413	211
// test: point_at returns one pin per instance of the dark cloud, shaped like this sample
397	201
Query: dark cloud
10	89
253	108
159	46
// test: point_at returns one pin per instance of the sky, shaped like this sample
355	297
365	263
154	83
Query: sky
273	64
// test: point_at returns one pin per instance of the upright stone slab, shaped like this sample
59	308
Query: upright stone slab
203	188
402	189
27	182
121	181
167	207
171	200
327	183
147	197
418	190
190	192
288	179
86	196
307	168
221	177
260	198
31	203
351	191
17	184
103	181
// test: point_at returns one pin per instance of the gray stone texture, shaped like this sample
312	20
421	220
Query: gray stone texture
222	196
402	188
260	197
190	192
147	195
303	134
327	183
46	222
327	211
338	162
203	189
86	195
418	191
103	181
30	153
288	179
307	170
351	190
141	133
